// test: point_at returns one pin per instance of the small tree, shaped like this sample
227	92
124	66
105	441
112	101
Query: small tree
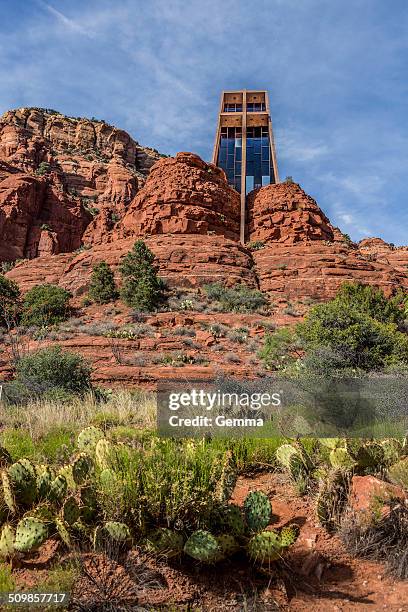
141	286
9	301
45	305
102	288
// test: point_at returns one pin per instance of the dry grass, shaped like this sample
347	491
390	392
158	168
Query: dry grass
39	417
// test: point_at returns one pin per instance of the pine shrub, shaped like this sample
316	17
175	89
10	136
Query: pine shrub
141	287
102	288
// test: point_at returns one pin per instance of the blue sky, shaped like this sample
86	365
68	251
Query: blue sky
336	72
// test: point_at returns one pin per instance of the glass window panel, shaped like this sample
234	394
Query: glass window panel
265	168
265	180
249	184
250	167
237	167
250	155
257	145
238	154
222	154
238	142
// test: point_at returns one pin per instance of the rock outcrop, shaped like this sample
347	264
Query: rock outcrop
284	213
57	174
183	195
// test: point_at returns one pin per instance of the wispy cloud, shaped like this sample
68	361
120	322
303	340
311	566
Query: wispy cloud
67	22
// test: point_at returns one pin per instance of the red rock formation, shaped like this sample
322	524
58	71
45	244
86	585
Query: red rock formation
304	255
53	171
183	195
378	250
285	213
183	261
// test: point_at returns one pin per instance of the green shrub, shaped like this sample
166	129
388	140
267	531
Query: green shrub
372	302
43	168
52	368
9	301
239	298
102	288
141	286
363	341
45	304
280	349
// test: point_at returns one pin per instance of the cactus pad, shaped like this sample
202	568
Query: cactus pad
289	535
23	481
265	547
231	520
258	511
44	480
58	489
8	494
103	453
110	533
62	529
228	545
88	439
70	511
6	541
202	546
30	534
166	542
82	467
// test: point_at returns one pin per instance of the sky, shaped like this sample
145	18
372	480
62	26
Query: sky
336	72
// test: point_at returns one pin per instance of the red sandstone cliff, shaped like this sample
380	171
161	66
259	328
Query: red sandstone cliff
57	175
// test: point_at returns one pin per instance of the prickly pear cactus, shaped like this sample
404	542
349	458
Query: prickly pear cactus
58	489
165	542
29	466
44	480
30	534
6	541
291	459
23	481
265	547
103	454
8	492
398	473
108	479
258	511
88	439
111	532
340	458
82	467
228	545
66	472
89	504
70	511
62	530
370	455
228	478
289	535
231	520
202	546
